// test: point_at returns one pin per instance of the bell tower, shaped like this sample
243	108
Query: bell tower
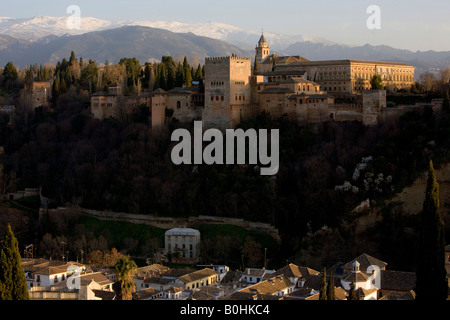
262	50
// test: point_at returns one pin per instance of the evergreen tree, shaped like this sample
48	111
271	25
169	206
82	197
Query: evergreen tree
179	78
162	77
29	76
323	286
56	90
353	295
170	68
10	74
187	73
147	75
133	70
13	284
431	281
330	288
72	60
376	82
198	73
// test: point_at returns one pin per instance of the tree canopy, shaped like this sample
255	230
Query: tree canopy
431	274
13	285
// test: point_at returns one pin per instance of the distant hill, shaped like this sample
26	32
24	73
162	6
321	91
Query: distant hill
43	39
422	60
144	43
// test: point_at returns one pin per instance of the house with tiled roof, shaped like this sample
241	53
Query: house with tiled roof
410	295
46	273
147	294
87	286
159	280
339	294
296	274
365	261
255	275
143	276
398	282
274	288
173	293
364	283
197	279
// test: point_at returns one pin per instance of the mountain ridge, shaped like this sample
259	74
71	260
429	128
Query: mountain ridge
44	39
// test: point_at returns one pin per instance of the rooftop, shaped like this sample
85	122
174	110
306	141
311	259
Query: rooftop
182	232
197	275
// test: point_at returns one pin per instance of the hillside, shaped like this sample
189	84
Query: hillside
47	39
412	196
144	43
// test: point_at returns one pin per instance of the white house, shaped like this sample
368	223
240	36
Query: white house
273	288
197	279
185	241
364	283
220	269
46	273
254	275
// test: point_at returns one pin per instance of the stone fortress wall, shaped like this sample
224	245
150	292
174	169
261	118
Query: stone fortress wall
305	91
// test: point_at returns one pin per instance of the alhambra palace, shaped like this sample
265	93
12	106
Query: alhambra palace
235	89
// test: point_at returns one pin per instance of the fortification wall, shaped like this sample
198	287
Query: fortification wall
166	222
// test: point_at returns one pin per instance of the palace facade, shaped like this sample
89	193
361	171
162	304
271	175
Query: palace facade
235	90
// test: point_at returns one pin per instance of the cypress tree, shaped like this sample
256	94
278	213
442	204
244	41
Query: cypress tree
353	295
187	73
56	87
162	77
198	74
323	286
330	288
179	78
13	284
431	283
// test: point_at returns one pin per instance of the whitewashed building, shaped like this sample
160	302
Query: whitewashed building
183	244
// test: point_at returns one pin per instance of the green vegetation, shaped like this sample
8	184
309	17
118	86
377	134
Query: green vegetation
376	82
124	285
323	286
118	234
121	166
330	288
238	247
432	284
13	285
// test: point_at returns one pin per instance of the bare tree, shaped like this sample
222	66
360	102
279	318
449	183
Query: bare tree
427	81
7	180
445	75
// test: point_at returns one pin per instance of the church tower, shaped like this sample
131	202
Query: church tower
262	50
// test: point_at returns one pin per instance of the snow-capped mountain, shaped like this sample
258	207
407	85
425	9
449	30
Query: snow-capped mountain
36	28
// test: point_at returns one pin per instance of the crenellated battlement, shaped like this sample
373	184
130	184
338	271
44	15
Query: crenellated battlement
227	58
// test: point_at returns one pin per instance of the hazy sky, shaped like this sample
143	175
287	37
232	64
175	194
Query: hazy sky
405	24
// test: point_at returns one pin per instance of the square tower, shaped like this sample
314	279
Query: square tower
227	91
262	50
